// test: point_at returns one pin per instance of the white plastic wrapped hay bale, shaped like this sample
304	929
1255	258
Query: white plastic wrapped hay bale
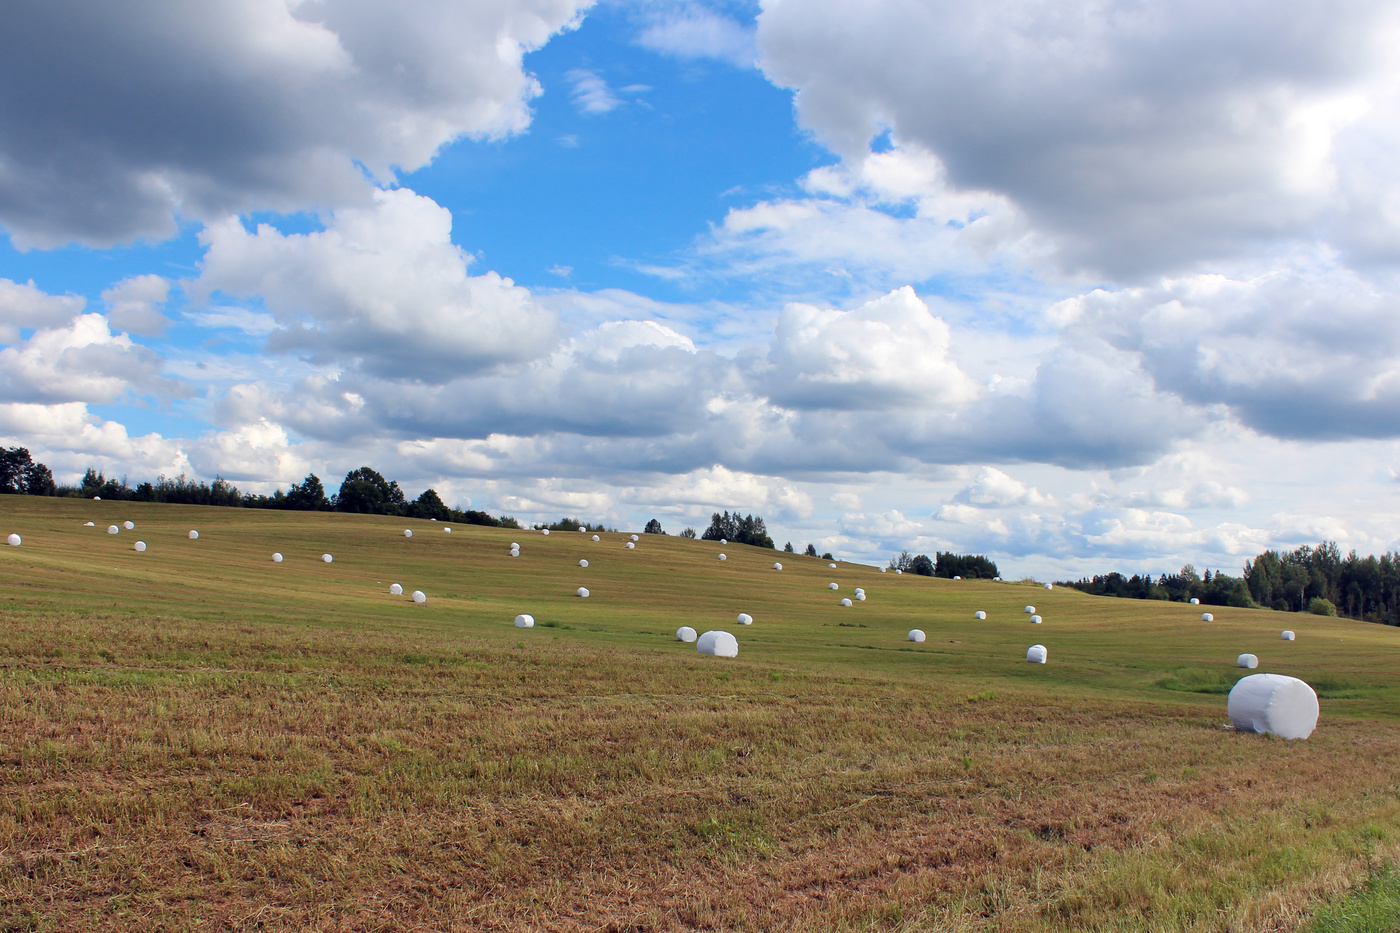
1049	586
723	541
194	535
860	597
884	570
129	526
408	532
744	619
1207	617
515	545
1195	601
722	557
1036	654
832	566
395	589
916	635
956	577
777	566
900	572
719	644
112	529
13	540
846	601
1275	703
89	524
545	532
524	620
1287	635
446	530
1030	610
583	563
276	558
635	538
1247	661
833	586
420	597
860	589
140	547
96	498
326	558
515	552
596	538
583	592
979	614
686	634
631	546
1036	620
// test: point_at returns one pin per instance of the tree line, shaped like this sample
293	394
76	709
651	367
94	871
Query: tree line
1307	579
946	565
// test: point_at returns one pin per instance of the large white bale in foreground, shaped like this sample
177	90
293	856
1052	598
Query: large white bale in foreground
1248	661
744	619
846	601
979	614
596	538
276	558
583	592
419	596
194	535
524	621
140	547
112	529
722	557
327	558
1030	610
1207	617
686	634
832	586
395	589
719	644
583	563
129	526
1195	601
916	634
13	540
1275	703
1036	654
1287	635
1036	620
408	532
777	566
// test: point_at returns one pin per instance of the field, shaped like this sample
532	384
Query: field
197	738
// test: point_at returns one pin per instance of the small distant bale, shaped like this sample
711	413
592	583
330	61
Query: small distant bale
514	553
13	540
1247	661
1036	654
1030	610
860	597
596	538
129	526
719	644
1036	620
96	498
686	634
884	570
917	635
524	621
583	592
515	545
1275	703
956	577
723	541
722	557
777	566
112	529
395	589
833	586
194	535
1195	601
635	538
1049	586
276	558
420	597
1287	635
846	601
832	566
545	532
1207	617
900	572
408	532
89	524
996	579
327	558
631	546
445	530
744	619
979	614
583	563
140	547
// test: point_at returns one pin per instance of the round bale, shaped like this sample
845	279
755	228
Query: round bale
327	558
276	558
1287	635
635	538
447	530
583	563
686	634
194	535
140	547
1030	610
1036	620
13	540
112	529
1049	586
1035	654
1207	617
777	566
631	546
129	526
722	557
744	619
420	597
596	538
1195	601
1275	703
545	532
524	621
833	586
719	644
979	614
916	634
860	597
583	592
408	532
395	589
846	601
1247	661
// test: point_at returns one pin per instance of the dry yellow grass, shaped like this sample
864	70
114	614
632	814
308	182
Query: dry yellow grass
195	738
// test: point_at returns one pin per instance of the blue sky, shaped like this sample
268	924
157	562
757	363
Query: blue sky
1078	285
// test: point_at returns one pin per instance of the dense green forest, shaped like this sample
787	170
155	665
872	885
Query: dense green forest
947	565
1308	579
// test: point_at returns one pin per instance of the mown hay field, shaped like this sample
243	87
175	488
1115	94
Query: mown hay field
197	738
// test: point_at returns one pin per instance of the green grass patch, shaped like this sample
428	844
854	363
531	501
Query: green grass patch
1371	908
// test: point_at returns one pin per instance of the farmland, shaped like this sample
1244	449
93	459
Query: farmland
198	738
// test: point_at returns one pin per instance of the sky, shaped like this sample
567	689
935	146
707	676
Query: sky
1085	285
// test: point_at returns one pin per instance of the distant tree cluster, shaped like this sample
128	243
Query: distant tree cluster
947	565
748	529
20	475
653	528
1308	579
573	524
